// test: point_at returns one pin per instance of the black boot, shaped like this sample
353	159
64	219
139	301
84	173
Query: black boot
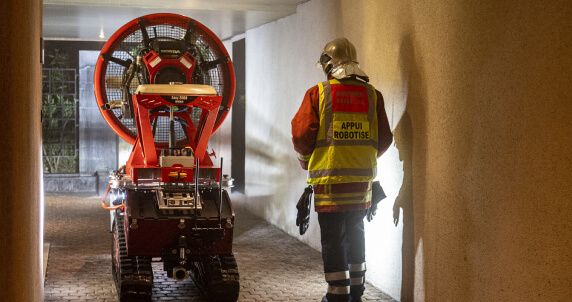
356	291
337	298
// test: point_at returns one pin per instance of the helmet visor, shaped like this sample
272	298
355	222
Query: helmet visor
323	61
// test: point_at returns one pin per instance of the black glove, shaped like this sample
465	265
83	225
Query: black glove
303	206
377	195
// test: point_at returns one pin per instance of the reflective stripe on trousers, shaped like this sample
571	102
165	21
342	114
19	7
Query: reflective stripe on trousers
337	276
357	274
343	252
357	279
338	286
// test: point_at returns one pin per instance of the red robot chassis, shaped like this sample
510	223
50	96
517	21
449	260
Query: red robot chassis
164	83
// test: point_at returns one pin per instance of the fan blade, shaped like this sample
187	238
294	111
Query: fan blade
190	27
144	32
208	65
124	63
154	125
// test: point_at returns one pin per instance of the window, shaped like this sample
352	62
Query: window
59	121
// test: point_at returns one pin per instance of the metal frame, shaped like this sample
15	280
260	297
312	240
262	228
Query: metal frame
145	150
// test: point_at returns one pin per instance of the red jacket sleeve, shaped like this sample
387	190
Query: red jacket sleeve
383	130
305	125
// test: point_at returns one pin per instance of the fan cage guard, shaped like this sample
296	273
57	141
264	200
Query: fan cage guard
126	43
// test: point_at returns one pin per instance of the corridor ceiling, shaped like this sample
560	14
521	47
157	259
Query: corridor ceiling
95	20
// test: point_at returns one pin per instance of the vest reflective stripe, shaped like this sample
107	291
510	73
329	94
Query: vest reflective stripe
324	143
343	202
342	199
342	172
304	157
341	195
337	159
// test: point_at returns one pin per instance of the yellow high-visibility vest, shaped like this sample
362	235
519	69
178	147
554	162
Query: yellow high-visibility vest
347	140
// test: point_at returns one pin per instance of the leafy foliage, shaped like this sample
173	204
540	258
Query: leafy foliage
59	126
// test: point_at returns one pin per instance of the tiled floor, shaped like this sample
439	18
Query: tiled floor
273	266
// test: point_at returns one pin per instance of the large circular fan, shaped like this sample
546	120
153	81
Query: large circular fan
121	67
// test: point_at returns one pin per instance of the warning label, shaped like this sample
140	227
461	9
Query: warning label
355	130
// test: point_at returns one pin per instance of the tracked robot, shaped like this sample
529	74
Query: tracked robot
164	83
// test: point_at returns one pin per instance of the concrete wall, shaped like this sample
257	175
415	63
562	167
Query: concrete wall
98	144
478	93
220	143
220	140
280	59
59	183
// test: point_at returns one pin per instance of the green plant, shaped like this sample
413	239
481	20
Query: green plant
59	148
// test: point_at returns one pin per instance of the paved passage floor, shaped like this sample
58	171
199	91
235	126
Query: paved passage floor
273	266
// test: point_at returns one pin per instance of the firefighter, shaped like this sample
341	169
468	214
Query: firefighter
339	132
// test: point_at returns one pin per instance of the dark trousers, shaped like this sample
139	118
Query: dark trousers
343	253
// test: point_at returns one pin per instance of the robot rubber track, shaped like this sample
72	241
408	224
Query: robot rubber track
133	276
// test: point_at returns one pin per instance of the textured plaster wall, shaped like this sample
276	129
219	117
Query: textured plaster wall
478	93
486	85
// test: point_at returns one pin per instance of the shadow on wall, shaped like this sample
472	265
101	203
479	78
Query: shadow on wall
404	202
411	203
274	178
